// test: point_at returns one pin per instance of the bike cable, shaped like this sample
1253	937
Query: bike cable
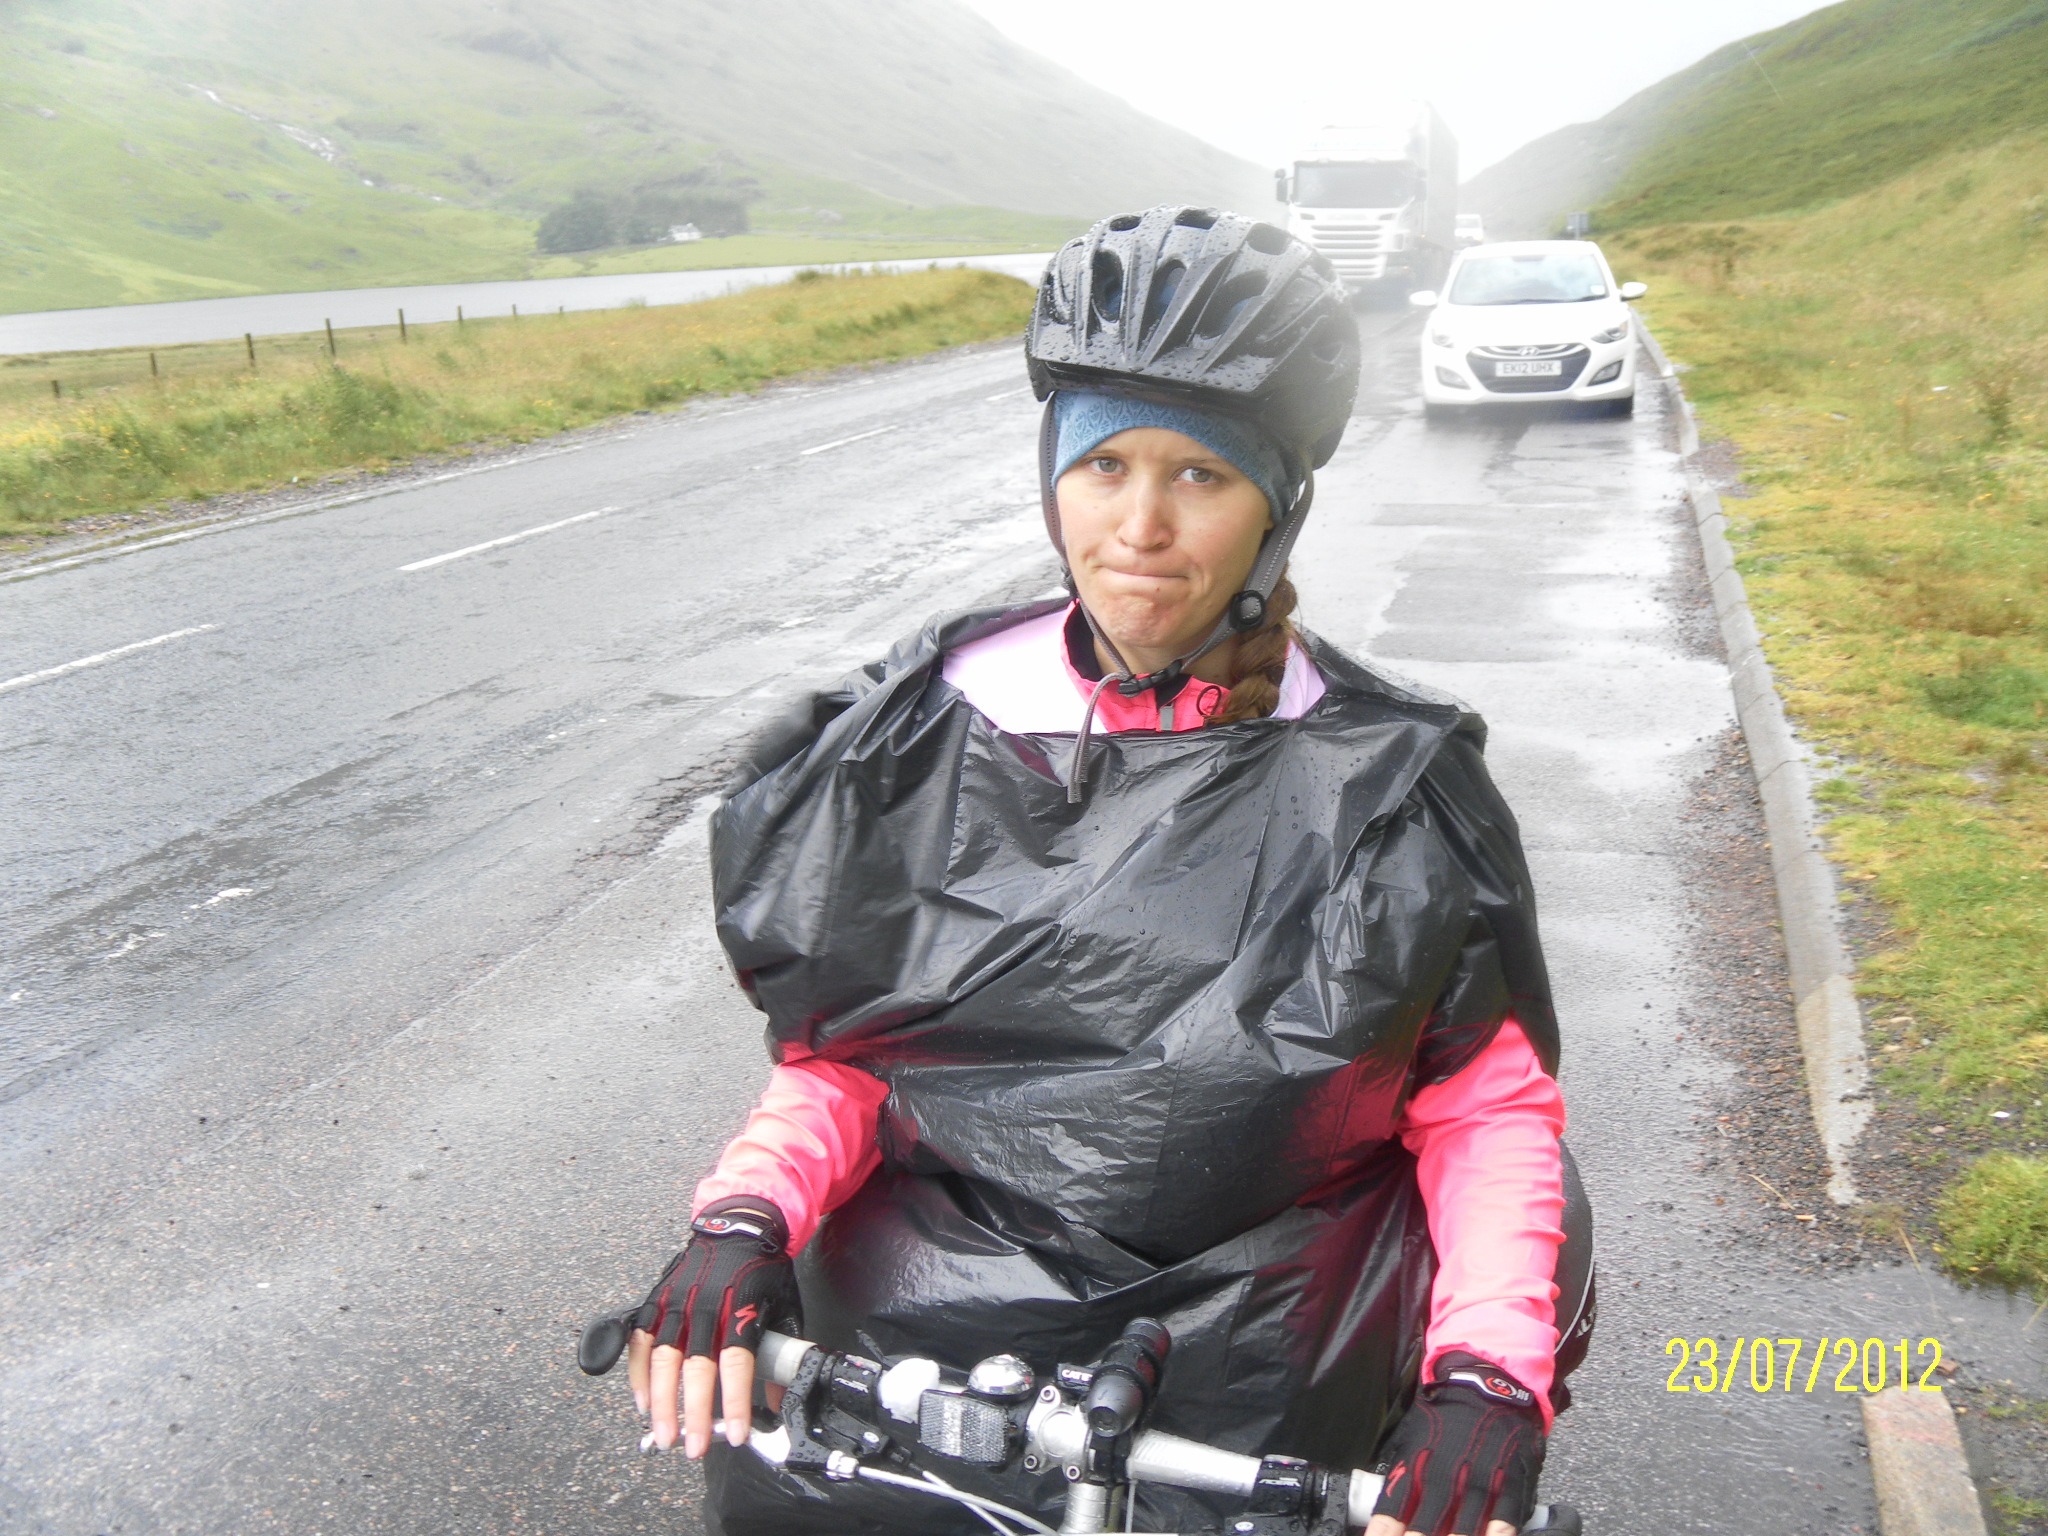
986	1508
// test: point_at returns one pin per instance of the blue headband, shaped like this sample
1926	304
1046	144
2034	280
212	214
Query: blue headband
1085	419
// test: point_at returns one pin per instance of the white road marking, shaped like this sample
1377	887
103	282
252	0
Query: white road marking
510	538
115	654
1008	394
116	547
841	442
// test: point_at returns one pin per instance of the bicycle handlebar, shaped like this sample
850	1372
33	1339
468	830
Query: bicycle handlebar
1155	1457
1002	1411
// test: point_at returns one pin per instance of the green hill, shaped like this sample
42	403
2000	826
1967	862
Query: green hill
177	148
1827	106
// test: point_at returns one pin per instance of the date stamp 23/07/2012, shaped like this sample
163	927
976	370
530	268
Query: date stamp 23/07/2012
1775	1365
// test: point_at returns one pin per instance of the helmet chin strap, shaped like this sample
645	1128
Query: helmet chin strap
1244	612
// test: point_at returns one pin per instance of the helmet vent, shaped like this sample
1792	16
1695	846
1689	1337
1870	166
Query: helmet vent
1049	298
1268	239
1124	222
1165	284
1106	286
1222	311
1197	218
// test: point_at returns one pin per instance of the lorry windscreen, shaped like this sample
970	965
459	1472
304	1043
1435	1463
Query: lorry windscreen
1358	185
1532	277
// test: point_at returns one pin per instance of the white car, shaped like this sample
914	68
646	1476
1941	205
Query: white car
1526	321
1471	230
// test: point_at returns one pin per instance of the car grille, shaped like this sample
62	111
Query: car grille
1572	354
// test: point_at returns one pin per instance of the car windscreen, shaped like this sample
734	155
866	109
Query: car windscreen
1530	277
1353	186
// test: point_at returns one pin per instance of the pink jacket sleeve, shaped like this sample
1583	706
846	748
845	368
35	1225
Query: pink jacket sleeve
1486	1159
1492	1179
808	1145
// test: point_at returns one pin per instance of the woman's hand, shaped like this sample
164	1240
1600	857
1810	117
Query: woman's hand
659	1376
729	1284
1465	1456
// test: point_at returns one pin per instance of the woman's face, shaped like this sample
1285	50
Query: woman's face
1161	533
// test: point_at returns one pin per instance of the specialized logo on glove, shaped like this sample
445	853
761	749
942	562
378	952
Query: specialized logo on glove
745	1220
1498	1385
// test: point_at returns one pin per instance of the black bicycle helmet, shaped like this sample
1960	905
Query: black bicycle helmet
1223	311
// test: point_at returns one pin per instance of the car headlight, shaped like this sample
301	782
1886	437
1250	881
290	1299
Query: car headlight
1613	332
1443	338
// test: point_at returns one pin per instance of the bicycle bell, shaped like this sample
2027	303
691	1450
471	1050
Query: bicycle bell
1001	1378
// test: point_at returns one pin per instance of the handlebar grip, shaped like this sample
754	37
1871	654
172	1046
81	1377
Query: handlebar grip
604	1339
780	1357
602	1342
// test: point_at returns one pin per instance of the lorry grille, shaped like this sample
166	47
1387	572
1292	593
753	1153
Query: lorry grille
1357	251
1573	355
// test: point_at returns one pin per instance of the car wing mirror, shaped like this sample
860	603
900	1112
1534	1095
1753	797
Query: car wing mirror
1634	290
1424	300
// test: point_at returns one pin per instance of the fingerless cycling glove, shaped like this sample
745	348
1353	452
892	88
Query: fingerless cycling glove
732	1281
1467	1451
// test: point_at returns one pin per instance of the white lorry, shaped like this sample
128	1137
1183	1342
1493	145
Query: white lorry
1379	197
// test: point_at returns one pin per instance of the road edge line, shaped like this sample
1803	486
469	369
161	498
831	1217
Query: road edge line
1830	1020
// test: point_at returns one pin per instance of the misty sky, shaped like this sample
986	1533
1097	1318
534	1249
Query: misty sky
1255	75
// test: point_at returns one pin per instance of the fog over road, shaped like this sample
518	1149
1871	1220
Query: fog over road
362	1030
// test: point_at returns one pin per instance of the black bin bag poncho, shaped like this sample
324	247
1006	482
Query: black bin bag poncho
1146	1054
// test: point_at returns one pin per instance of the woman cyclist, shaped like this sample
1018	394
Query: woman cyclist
1139	955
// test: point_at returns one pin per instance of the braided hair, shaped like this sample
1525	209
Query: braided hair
1260	661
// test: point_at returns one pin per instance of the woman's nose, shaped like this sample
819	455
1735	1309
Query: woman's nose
1147	523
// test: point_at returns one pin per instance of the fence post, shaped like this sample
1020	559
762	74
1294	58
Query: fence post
56	390
152	367
330	337
401	327
249	341
515	311
458	317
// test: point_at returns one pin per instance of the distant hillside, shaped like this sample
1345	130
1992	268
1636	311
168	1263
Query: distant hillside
159	148
1527	195
1832	104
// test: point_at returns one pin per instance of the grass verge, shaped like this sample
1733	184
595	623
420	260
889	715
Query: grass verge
1883	366
210	423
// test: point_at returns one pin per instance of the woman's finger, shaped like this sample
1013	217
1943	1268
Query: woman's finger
662	1373
1383	1525
638	1348
736	1392
700	1387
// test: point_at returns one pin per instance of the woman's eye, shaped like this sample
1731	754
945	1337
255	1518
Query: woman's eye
1199	475
1105	465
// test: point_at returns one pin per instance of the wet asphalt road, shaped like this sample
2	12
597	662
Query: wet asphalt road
361	1028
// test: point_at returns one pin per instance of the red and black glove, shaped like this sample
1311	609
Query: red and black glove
1467	1451
731	1282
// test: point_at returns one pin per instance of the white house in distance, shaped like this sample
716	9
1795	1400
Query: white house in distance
683	234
